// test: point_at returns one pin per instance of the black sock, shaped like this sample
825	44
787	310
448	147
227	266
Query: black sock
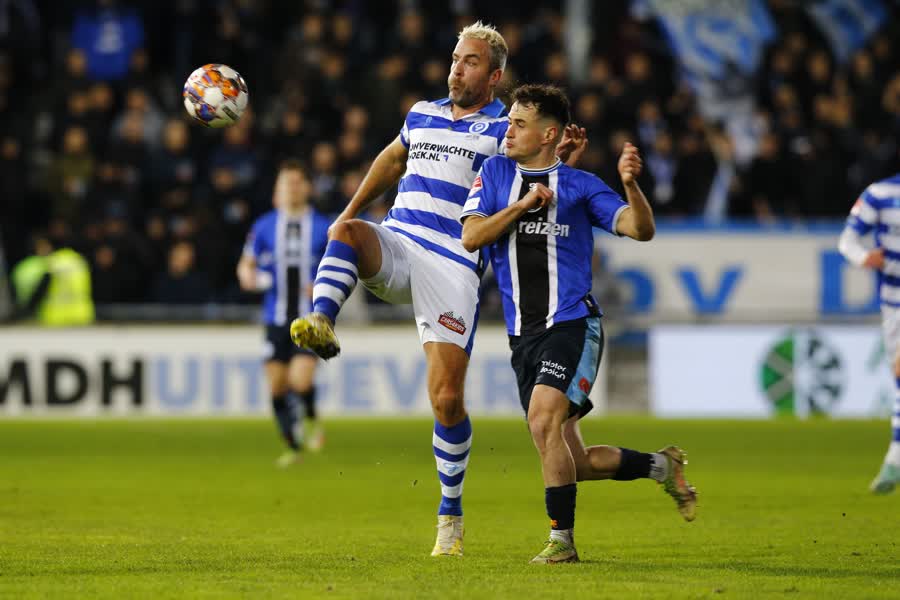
561	506
634	465
309	402
286	417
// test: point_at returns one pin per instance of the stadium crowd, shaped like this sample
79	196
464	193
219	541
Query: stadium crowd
96	149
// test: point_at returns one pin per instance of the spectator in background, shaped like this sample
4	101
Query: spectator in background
324	175
173	170
70	175
130	153
765	182
112	277
100	111
693	176
181	283
13	198
108	36
291	136
662	164
54	285
139	103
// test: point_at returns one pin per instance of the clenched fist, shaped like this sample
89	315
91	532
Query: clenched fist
630	164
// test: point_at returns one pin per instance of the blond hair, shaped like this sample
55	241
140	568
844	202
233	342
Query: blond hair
489	34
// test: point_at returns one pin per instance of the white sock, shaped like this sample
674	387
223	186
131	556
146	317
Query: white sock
659	467
893	454
566	536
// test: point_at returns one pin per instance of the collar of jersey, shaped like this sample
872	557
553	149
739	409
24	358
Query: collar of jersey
494	110
543	171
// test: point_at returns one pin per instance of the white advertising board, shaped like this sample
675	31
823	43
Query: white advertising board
206	370
761	371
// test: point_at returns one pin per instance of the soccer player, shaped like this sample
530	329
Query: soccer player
415	255
280	259
537	216
876	211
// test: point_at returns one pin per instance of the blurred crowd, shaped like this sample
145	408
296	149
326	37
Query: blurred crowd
96	149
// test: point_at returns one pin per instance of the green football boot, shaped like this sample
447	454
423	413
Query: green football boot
556	551
684	494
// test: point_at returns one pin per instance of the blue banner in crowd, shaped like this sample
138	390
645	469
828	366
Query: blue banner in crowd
847	23
714	41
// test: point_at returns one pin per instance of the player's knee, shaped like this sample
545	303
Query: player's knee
544	428
897	367
349	232
447	405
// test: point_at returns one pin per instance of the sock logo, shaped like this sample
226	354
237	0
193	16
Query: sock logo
452	322
452	468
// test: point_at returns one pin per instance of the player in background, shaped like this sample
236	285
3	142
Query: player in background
537	215
415	255
280	259
876	211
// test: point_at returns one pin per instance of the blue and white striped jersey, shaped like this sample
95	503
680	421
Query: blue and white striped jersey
444	157
543	265
877	211
289	249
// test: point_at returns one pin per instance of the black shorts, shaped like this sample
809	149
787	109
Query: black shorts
565	357
279	346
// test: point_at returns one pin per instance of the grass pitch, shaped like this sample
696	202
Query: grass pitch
197	509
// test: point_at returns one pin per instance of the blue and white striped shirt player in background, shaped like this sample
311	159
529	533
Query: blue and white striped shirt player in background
415	255
877	211
280	259
537	215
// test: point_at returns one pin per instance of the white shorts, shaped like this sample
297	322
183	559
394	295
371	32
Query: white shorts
444	293
890	328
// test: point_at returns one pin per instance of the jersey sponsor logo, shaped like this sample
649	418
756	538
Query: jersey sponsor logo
543	228
554	369
438	152
478	127
452	322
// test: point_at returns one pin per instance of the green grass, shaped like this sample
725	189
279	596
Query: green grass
196	509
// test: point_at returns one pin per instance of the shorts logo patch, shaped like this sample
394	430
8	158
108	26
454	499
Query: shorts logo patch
452	322
552	368
584	385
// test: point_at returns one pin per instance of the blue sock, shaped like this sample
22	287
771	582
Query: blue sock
451	452
335	279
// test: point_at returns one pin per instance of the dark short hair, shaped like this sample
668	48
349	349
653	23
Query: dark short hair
293	164
547	100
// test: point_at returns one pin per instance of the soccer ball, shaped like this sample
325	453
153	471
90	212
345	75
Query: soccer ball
215	95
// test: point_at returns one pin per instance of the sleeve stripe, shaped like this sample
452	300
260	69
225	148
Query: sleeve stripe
472	213
615	219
